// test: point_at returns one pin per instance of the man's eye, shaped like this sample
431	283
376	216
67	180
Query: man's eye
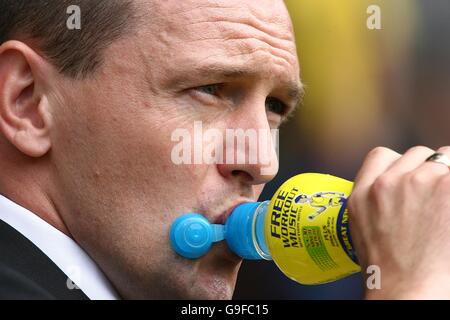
276	106
211	89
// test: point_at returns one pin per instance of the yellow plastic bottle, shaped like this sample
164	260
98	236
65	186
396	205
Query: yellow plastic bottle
303	228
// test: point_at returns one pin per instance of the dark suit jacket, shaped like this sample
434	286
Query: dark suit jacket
27	273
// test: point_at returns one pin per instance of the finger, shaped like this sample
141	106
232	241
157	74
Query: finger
411	160
376	163
431	167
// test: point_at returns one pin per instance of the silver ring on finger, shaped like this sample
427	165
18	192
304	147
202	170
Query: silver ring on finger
439	157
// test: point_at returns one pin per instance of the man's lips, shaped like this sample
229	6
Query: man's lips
222	218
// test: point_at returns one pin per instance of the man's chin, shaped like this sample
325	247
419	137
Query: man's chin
211	288
210	277
217	274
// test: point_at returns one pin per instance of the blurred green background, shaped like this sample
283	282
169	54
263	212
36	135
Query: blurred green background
364	88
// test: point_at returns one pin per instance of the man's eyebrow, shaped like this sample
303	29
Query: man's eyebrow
296	92
213	72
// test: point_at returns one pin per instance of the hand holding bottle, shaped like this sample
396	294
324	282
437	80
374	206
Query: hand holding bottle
399	213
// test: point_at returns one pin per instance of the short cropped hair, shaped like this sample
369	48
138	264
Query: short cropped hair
75	53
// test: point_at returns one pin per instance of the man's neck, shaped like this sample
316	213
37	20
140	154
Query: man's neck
39	204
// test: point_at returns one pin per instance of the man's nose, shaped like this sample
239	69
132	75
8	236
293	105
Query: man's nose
250	148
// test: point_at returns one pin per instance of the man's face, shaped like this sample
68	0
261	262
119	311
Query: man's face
228	64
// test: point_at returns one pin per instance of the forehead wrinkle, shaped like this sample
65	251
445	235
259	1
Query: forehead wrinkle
241	38
268	28
238	30
247	46
188	11
242	29
274	22
265	60
212	21
252	45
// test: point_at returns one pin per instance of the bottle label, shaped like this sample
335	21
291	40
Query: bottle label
343	232
307	229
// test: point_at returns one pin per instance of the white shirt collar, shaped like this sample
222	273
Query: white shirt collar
61	249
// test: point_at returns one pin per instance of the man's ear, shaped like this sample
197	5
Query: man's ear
24	109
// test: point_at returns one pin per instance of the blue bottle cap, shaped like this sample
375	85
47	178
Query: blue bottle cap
240	231
191	235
